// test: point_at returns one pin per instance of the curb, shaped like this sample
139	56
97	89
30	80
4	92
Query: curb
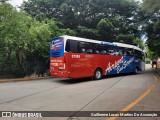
23	79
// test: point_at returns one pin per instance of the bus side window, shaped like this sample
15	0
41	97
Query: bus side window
96	50
103	52
85	47
81	47
113	50
72	46
89	47
100	49
89	51
110	50
119	51
139	55
67	48
104	49
83	50
136	53
129	52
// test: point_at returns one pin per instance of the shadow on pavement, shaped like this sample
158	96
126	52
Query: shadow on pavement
82	80
73	81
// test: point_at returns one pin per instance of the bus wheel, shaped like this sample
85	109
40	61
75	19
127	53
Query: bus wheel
97	74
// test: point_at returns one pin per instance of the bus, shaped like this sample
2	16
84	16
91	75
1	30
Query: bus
74	57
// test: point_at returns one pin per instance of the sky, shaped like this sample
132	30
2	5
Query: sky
16	2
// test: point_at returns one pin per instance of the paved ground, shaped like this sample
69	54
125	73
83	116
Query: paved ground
112	93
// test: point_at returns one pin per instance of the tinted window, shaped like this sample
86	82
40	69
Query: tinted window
139	55
86	47
129	52
71	46
112	50
100	49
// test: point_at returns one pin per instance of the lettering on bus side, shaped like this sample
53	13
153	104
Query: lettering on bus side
119	65
89	56
54	64
52	61
76	56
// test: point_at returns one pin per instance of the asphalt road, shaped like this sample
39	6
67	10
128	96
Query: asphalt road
112	93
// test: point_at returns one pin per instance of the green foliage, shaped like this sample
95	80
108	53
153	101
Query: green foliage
140	43
13	34
24	42
106	29
153	41
125	38
122	14
85	32
151	6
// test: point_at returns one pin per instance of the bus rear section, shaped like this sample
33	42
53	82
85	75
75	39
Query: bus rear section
57	58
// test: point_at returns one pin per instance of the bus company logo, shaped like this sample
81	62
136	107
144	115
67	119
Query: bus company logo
119	65
110	66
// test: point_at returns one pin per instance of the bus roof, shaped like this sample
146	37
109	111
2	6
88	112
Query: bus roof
81	39
102	42
108	43
127	46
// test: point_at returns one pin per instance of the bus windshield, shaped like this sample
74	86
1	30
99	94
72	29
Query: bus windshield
57	47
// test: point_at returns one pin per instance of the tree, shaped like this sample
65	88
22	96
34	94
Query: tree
152	8
106	30
153	31
85	32
14	36
122	14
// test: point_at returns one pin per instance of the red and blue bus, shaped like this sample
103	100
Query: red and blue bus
74	57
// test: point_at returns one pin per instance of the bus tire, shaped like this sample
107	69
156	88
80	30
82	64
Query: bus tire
97	74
